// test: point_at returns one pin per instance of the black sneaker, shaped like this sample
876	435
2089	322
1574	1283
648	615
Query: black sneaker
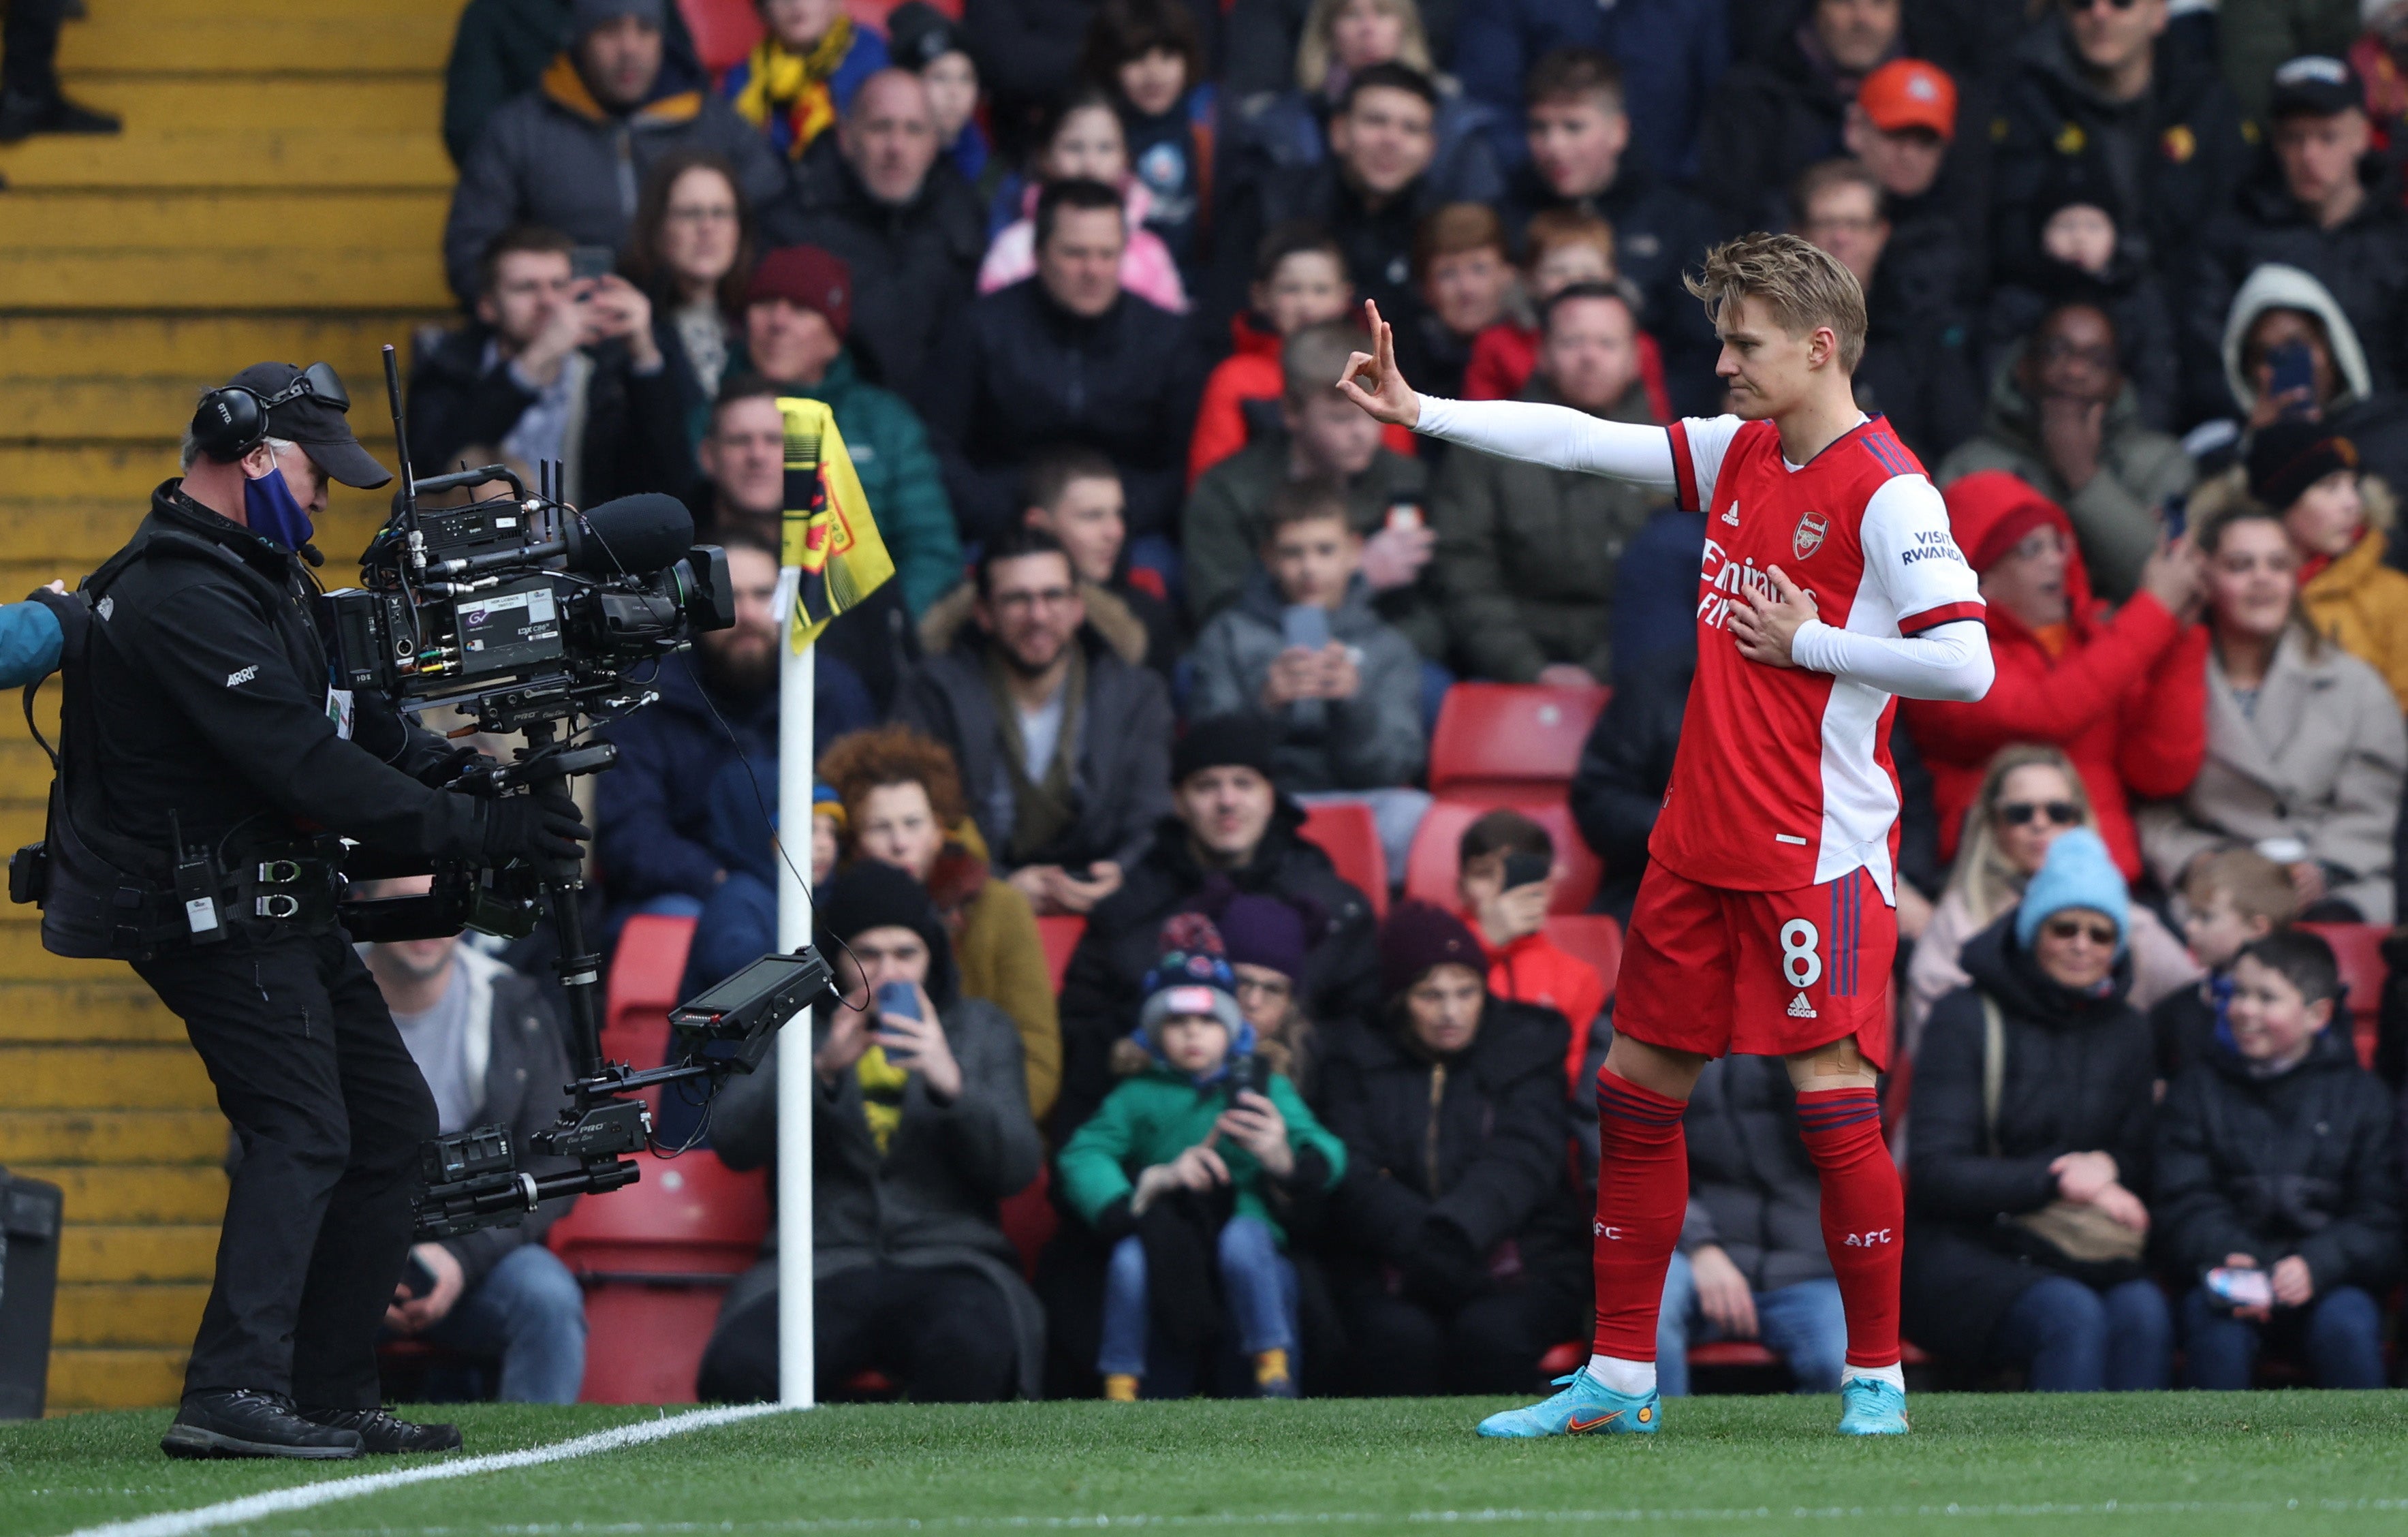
23	115
380	1433
242	1423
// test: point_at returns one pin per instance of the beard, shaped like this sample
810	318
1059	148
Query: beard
745	665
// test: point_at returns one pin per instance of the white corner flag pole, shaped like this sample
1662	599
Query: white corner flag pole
796	1370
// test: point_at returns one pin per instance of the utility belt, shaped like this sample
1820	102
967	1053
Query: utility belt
94	908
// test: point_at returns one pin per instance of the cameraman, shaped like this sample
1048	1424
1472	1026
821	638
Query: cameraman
209	767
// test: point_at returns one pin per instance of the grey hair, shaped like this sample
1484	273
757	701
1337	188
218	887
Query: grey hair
191	448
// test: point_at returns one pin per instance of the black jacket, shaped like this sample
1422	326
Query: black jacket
1100	990
1769	119
914	266
1624	767
2133	296
1918	364
653	808
208	688
2297	1164
1020	373
634	435
1447	1161
1753	1189
2078	1079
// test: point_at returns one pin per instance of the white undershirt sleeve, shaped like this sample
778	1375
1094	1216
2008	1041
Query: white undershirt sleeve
1555	436
1950	661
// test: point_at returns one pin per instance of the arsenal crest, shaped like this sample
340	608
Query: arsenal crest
1812	526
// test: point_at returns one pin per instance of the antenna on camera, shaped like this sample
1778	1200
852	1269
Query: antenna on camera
400	429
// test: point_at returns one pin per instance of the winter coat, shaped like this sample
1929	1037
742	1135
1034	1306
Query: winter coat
1918	364
1158	1114
913	264
652	812
2301	1163
929	1202
1276	131
1754	1192
30	642
2255	37
2078	1076
1654	594
517	1036
1371	741
2126	699
2116	517
1624	765
1526	555
1147	270
628	428
553	156
1122	779
2170	158
1672	53
500	47
2322	760
1022	372
2132	296
1227	518
2162	966
1241	402
1772	116
1102	988
1454	1168
2376	423
901	479
1533	970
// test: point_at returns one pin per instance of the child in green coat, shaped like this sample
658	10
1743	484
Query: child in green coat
1202	1118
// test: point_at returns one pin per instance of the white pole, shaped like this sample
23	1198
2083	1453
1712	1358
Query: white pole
796	1370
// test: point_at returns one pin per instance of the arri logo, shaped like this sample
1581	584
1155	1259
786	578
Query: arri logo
1812	529
242	675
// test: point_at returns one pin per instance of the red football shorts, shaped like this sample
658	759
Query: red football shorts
1759	973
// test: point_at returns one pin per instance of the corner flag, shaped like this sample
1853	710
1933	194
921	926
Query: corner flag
829	535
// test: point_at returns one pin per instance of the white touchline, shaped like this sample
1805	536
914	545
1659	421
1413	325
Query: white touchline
251	1507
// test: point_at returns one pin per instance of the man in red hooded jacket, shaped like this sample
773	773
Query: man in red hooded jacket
2123	696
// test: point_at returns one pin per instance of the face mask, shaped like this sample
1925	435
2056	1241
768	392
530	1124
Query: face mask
268	503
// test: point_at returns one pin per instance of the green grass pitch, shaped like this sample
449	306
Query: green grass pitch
2201	1465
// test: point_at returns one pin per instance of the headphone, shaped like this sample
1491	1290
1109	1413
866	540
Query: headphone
231	419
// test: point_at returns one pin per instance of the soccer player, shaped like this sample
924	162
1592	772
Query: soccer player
1765	923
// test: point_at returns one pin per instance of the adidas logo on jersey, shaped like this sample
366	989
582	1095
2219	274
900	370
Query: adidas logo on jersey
1800	1009
1732	517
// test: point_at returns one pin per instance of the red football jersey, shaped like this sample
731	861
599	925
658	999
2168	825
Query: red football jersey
1783	778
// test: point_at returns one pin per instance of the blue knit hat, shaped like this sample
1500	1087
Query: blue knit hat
2078	872
1192	977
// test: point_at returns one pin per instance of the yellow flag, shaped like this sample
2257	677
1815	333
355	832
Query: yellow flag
829	532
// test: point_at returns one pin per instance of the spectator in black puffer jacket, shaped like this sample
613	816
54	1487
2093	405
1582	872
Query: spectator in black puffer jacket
1456	1249
2274	1154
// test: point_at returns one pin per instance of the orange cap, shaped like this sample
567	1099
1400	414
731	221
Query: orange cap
1909	93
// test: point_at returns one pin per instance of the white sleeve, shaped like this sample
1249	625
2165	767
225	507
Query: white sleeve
1951	661
1911	559
1557	436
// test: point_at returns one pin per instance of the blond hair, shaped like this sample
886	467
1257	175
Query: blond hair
2258	887
1802	285
1990	884
1315	55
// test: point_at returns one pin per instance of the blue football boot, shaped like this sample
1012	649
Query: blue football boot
1586	1407
1870	1408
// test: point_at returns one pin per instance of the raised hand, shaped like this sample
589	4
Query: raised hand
1371	380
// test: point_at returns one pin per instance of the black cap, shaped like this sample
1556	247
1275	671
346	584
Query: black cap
1242	742
2316	85
2288	456
918	34
314	423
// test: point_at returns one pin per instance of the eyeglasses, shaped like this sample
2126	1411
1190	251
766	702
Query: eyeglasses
2074	929
2064	814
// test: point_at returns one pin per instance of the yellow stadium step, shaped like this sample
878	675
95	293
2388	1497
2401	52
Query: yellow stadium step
85	532
255	37
156	1192
184	219
155	154
156	1317
121	1010
317	104
111	1136
126	1378
125	471
117	1077
206	349
165	1252
255	278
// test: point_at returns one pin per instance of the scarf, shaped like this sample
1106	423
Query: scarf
1041	810
881	1095
789	89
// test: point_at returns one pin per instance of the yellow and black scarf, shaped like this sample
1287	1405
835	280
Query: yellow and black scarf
783	85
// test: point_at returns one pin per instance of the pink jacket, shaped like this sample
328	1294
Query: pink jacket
1147	270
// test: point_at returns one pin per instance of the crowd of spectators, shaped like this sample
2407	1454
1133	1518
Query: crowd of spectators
1075	277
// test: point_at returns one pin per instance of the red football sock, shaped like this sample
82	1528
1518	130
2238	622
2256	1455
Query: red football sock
1864	1214
1642	1193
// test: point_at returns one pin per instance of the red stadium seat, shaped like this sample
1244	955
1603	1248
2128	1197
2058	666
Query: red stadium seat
1061	936
724	31
1028	1220
1430	867
1346	832
655	1258
1511	741
1591	936
2358	947
642	989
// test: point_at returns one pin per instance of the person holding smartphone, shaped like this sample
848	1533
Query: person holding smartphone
1506	879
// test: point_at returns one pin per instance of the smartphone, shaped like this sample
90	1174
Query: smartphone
1305	624
591	261
899	998
1245	1076
2176	515
2294	370
2240	1288
1524	870
416	1278
1405	515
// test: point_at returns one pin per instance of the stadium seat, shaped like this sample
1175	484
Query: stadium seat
1061	936
1346	832
1591	936
1511	742
642	989
655	1257
1029	1219
1430	867
2358	947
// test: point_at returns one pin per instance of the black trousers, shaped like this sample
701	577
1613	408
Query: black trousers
943	1336
329	1111
29	46
1403	1348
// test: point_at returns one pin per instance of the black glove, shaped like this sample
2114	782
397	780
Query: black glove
545	824
1443	1270
440	774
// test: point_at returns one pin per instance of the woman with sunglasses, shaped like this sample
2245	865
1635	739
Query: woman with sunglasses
2024	1231
2028	796
2306	753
